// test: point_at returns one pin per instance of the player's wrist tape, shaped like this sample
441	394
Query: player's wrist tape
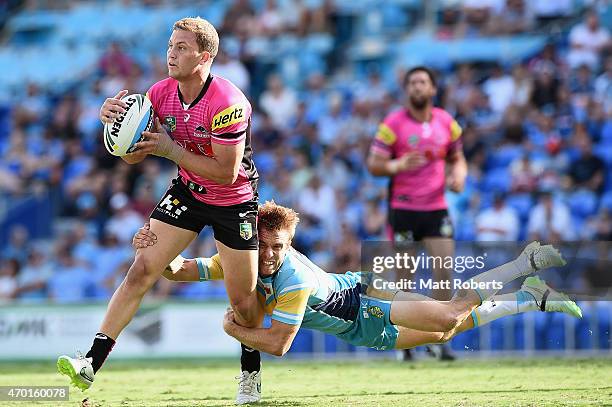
169	149
393	166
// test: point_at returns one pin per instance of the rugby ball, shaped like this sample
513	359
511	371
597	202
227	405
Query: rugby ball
126	130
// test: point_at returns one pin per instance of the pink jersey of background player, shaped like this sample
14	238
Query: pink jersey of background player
423	188
220	114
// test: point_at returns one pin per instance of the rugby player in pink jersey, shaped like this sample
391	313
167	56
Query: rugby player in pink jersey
202	123
419	148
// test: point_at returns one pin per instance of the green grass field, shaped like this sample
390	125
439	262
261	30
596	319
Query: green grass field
541	382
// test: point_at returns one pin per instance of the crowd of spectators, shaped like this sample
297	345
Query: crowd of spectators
537	137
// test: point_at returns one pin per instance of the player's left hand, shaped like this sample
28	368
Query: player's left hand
455	183
228	321
158	142
152	139
144	237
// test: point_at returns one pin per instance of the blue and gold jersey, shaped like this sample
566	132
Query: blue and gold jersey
301	293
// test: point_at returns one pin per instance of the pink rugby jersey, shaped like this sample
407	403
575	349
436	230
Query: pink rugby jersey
421	189
220	114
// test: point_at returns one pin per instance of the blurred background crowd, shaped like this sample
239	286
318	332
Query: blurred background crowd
530	82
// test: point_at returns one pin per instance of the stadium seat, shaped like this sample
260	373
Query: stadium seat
606	133
496	180
521	203
604	152
518	331
303	342
497	335
466	341
555	332
582	203
606	201
604	324
583	335
503	156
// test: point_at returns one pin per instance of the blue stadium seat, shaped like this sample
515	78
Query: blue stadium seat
582	203
604	152
521	203
331	344
502	157
395	19
497	337
302	342
604	324
466	341
518	331
583	336
555	334
496	180
606	133
606	201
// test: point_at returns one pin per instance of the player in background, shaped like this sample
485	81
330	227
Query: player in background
419	147
206	132
295	292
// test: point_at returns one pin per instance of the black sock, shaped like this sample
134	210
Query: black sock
102	346
250	360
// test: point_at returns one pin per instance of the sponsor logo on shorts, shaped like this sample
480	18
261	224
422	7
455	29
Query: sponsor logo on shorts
171	207
375	311
170	122
246	230
232	115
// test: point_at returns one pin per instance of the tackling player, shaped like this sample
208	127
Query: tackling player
206	132
420	148
295	292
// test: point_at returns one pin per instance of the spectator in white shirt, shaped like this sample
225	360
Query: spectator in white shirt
319	201
124	222
498	223
279	102
587	41
500	89
231	68
550	221
603	86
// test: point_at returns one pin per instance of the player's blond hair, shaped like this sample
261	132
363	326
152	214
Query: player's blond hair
206	35
275	217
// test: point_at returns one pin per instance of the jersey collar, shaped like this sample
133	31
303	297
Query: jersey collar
200	95
409	114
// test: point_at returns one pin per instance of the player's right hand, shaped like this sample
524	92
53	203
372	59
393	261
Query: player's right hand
410	161
144	237
135	157
113	107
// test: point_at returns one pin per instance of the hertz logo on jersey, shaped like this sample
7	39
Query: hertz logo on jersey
232	115
386	135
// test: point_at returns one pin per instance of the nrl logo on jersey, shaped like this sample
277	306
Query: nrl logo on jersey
413	140
201	132
170	123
